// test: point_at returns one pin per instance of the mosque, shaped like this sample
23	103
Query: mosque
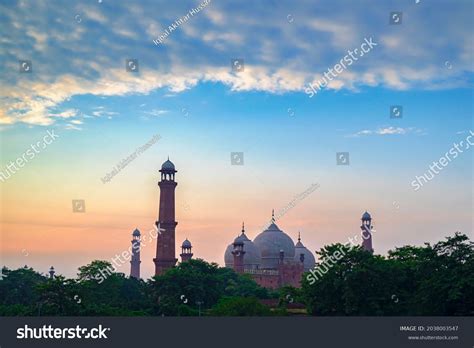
272	259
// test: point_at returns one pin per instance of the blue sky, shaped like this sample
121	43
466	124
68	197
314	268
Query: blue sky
186	92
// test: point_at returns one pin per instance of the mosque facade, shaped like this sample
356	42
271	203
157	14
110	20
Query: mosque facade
272	259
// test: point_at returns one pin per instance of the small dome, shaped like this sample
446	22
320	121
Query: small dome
168	166
186	244
366	216
309	259
239	239
251	256
136	232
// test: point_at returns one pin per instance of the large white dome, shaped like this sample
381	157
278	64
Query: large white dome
270	242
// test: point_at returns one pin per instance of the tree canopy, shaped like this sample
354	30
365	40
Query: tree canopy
427	280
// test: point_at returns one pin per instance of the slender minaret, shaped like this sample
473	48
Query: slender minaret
367	232
166	224
239	253
135	261
51	272
186	251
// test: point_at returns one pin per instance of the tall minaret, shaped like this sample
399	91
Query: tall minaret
135	261
367	232
166	224
186	251
239	252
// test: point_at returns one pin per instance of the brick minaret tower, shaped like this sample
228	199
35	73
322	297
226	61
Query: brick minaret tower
166	224
367	232
239	253
135	261
186	253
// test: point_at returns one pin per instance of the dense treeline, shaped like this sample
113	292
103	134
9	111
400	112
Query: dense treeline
428	280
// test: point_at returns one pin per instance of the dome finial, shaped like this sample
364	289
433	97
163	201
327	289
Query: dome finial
243	227
273	215
299	236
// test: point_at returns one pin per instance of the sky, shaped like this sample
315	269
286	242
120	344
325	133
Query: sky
186	91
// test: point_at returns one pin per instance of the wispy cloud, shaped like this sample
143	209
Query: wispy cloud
392	130
66	113
70	126
100	112
156	112
388	131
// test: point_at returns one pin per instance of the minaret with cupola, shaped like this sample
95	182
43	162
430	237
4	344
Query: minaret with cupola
135	261
186	251
166	224
51	272
366	233
239	252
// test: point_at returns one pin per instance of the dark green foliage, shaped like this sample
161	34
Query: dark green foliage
95	293
429	280
197	281
240	307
